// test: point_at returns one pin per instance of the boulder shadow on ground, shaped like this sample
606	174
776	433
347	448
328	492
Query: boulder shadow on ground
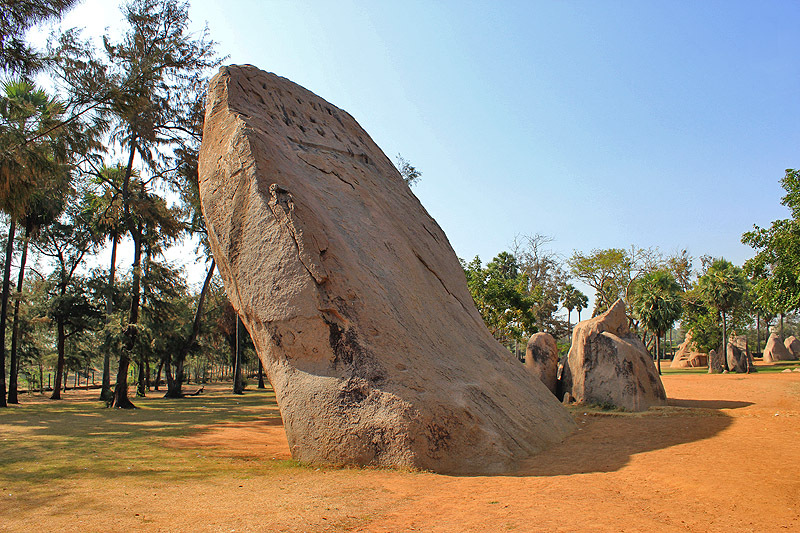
708	404
605	442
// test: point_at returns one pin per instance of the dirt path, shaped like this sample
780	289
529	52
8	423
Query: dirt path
725	456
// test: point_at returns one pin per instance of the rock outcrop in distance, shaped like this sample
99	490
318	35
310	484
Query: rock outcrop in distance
609	365
541	359
357	304
792	344
739	358
688	355
776	350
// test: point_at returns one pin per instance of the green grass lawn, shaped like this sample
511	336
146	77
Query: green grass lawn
43	440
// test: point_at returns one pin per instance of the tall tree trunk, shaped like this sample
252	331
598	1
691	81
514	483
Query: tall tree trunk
158	374
14	370
238	385
781	326
121	399
147	381
170	376
758	332
260	375
725	342
658	353
105	391
671	346
174	387
4	309
140	385
569	325
60	342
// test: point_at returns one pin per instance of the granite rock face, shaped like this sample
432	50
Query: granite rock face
688	356
609	364
541	359
776	350
739	358
356	302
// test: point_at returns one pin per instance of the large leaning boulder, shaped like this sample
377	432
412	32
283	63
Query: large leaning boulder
609	364
541	359
776	350
357	304
688	355
739	358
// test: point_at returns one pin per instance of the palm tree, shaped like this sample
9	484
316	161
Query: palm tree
25	112
46	205
724	286
656	302
571	299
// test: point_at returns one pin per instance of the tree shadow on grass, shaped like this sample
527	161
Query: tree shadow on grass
58	440
605	442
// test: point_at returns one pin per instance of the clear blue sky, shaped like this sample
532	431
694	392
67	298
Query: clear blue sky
599	124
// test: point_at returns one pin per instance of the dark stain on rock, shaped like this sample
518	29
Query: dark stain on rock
343	343
438	437
352	392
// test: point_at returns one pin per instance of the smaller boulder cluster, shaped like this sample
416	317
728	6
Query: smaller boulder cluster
739	358
541	359
775	350
607	364
689	355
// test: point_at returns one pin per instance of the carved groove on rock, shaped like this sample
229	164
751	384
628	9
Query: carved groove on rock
282	206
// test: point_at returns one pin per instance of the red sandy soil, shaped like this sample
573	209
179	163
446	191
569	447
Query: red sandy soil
723	457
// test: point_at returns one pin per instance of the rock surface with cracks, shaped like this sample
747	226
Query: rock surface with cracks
356	303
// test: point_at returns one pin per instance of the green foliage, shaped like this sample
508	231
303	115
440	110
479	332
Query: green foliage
572	298
718	300
656	301
723	285
166	315
545	279
611	272
606	271
408	172
775	269
16	18
26	166
703	320
499	292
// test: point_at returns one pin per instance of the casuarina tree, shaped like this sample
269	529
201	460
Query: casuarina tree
148	85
